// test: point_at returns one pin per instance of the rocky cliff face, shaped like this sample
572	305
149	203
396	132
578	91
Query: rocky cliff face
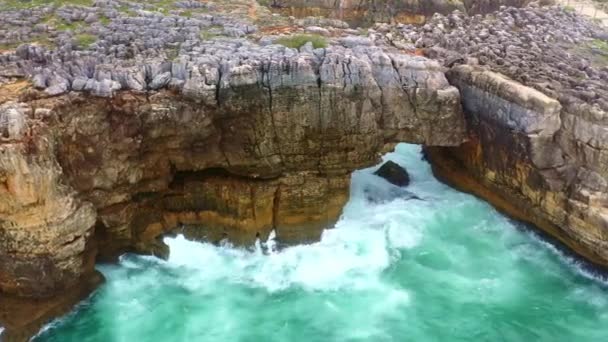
402	11
247	145
181	119
531	157
537	140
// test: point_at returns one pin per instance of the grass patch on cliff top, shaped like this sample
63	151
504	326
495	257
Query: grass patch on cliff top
599	44
84	40
299	40
23	4
596	51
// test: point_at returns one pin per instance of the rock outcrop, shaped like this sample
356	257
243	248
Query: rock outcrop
534	94
533	158
153	126
235	145
546	48
136	121
402	11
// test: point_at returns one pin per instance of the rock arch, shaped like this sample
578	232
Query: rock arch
255	145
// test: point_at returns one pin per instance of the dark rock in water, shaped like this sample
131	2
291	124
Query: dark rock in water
393	173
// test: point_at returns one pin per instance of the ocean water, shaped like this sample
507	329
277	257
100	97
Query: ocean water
446	267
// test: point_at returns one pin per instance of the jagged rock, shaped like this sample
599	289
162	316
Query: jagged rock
318	30
393	173
534	46
414	11
57	85
40	81
12	121
353	41
307	48
254	137
197	161
79	83
160	81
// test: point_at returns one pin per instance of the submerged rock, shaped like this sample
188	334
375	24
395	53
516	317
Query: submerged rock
393	173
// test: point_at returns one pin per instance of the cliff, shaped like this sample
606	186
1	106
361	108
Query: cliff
233	146
535	94
527	156
367	12
119	126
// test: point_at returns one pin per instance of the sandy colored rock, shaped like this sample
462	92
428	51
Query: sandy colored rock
266	143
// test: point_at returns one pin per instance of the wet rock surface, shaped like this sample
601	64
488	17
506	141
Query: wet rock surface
534	91
393	173
254	153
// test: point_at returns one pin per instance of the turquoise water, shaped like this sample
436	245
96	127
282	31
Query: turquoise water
447	268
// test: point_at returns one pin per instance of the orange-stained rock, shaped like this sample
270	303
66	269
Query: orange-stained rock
23	317
271	146
362	12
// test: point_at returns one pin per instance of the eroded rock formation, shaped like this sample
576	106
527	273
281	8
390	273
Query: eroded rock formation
154	127
535	97
257	144
393	173
532	158
401	11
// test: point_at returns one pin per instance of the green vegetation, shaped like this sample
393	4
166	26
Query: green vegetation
11	46
298	40
63	25
569	9
126	11
172	53
208	35
601	45
44	40
597	51
163	6
22	4
104	20
84	40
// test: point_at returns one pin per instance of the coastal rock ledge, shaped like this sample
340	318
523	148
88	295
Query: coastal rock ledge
151	122
262	140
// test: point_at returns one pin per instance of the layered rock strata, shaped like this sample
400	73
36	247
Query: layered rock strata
532	158
155	127
402	11
232	148
535	96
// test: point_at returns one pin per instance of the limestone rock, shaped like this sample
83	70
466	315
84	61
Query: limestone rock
45	229
367	11
263	138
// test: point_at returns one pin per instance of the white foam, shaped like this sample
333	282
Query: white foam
411	237
352	255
